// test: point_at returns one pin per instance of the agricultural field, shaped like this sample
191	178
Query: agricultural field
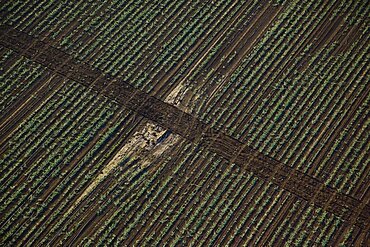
184	123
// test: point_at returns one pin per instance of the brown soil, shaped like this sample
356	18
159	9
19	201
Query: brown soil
189	127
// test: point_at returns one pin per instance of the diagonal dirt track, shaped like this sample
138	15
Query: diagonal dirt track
189	127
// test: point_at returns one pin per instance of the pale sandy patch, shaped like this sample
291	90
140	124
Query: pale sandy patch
142	145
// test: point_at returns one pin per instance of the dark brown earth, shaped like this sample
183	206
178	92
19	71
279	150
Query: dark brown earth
63	65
